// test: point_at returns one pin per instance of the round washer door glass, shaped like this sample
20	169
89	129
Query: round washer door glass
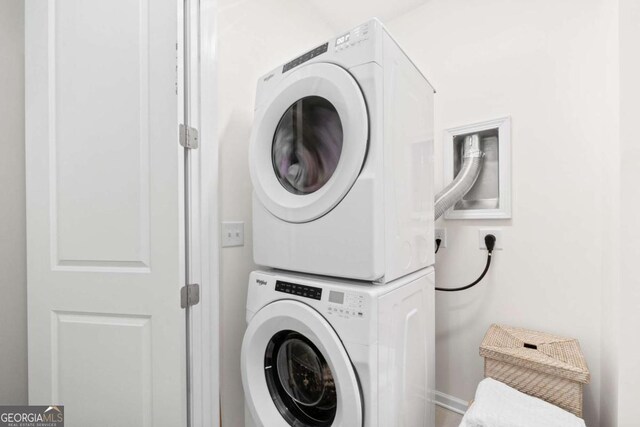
307	145
300	381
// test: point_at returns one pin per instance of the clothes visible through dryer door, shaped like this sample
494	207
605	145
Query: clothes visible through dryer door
307	145
309	142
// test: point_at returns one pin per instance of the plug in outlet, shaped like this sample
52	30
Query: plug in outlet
441	233
232	234
483	232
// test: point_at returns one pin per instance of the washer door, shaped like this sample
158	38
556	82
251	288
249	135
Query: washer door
296	372
309	142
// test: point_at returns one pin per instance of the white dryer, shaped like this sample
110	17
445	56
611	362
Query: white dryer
322	352
341	161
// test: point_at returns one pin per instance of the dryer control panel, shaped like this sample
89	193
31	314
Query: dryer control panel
352	38
306	57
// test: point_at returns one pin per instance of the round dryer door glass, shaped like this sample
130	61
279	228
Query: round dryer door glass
307	145
300	381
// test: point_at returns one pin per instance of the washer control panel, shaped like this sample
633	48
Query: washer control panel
299	290
346	304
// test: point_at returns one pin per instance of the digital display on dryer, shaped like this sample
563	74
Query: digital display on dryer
343	39
299	290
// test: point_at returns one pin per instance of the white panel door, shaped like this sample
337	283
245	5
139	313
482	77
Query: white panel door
106	332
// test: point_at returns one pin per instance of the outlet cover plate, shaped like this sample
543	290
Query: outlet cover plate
483	232
441	233
232	234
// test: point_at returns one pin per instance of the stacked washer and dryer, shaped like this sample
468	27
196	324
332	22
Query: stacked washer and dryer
341	320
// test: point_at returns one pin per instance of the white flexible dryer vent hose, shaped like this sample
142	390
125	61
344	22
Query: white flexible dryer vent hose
471	166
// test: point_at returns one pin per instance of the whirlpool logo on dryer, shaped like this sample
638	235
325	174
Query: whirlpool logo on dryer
261	282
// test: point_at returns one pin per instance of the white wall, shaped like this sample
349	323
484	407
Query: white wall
629	296
611	244
621	293
544	64
13	274
254	36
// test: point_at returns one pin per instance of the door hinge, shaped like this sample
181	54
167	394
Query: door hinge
188	137
189	295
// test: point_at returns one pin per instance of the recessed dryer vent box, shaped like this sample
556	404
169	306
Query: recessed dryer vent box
490	196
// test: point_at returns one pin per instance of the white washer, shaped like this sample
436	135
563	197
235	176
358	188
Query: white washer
329	352
341	161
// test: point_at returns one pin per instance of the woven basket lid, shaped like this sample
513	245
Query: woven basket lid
539	351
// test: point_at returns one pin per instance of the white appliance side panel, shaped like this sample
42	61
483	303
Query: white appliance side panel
408	158
406	355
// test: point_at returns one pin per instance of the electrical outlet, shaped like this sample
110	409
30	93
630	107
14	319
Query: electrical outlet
232	234
441	233
483	232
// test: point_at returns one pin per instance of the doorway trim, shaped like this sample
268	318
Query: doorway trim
205	248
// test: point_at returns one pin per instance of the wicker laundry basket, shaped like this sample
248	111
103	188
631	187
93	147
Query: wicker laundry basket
546	366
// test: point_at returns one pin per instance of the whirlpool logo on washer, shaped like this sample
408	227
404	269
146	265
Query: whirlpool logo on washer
261	282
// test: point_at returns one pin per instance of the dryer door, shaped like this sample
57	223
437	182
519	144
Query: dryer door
309	142
296	372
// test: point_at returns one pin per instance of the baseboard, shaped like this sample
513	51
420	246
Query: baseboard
451	403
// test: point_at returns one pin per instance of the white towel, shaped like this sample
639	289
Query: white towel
498	405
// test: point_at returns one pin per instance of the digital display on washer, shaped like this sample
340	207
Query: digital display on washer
304	58
336	297
300	290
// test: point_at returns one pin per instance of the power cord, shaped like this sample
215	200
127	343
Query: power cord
438	243
490	243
